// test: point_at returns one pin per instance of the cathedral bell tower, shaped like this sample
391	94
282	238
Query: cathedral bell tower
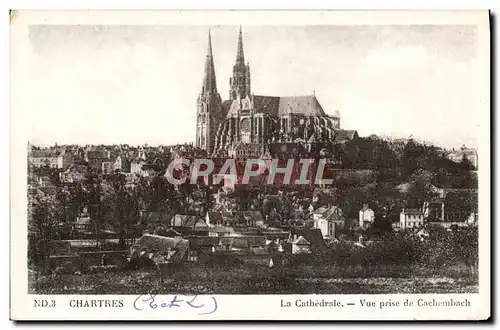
208	105
239	84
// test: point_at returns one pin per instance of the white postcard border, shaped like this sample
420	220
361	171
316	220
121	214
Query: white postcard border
234	307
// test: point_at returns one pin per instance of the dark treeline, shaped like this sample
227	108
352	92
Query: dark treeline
398	160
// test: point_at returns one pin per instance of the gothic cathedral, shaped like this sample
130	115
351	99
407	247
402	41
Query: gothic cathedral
257	120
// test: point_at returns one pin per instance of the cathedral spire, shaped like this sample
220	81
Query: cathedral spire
239	84
208	105
209	83
209	50
240	57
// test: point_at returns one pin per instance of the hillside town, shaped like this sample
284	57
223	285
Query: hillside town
117	198
97	208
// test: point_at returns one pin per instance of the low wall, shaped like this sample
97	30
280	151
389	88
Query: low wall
83	260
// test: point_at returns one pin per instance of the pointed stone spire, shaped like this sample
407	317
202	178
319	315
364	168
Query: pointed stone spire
209	82
209	50
240	57
240	82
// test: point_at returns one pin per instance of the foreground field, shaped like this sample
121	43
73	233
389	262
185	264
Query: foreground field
300	280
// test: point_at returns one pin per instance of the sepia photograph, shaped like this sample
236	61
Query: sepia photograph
248	157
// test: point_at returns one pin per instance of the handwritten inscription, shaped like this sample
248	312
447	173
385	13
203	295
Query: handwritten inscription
204	305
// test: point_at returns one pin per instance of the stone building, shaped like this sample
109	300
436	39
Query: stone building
464	152
256	119
411	218
53	158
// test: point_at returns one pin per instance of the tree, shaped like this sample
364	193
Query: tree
121	204
465	246
465	163
384	161
459	205
351	200
96	203
420	190
387	203
43	212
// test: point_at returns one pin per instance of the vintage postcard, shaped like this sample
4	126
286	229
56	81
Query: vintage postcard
250	165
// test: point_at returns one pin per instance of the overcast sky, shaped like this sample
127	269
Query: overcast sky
139	84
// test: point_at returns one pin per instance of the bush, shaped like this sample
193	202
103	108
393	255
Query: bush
442	248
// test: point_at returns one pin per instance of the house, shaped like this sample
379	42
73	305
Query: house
125	165
190	225
167	232
72	174
107	167
149	170
242	245
217	178
250	218
95	157
274	246
159	249
111	166
434	210
266	157
298	245
83	224
225	244
312	235
273	218
227	181
136	167
243	151
335	219
46	185
343	136
248	242
411	218
221	231
214	218
318	214
276	235
366	216
163	217
228	218
469	153
59	248
329	220
44	181
53	158
202	246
